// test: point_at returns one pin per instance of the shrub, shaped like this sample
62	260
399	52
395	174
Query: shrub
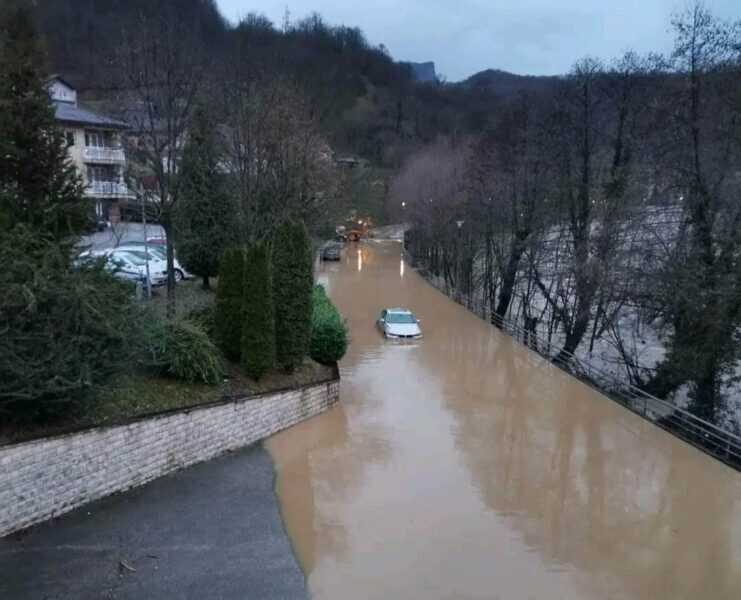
328	330
228	318
293	279
62	329
181	349
205	317
258	325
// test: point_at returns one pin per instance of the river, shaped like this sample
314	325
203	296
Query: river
466	466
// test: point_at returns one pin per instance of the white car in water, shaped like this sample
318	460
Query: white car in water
399	323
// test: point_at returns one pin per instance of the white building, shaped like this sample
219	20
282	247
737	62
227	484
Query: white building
94	143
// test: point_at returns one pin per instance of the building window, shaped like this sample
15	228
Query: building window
69	137
98	173
95	139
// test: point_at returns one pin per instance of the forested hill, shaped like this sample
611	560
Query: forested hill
505	84
368	104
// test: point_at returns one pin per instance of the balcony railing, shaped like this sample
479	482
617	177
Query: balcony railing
111	154
108	188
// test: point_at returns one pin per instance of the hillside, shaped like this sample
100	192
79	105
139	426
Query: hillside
503	83
368	104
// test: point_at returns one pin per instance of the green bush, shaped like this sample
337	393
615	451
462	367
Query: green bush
62	329
258	325
229	301
205	317
293	280
181	349
328	330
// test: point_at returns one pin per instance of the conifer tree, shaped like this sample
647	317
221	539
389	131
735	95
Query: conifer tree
293	281
229	302
39	186
258	325
204	215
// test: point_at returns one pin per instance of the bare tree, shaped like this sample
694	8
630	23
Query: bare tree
280	163
161	71
699	287
508	185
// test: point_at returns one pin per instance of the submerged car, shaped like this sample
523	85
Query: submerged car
399	323
332	251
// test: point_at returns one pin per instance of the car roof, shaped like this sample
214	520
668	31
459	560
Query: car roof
399	310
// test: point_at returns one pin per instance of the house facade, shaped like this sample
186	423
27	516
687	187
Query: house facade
95	146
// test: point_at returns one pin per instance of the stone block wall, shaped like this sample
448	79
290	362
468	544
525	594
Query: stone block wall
47	477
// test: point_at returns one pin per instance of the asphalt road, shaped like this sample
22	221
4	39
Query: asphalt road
212	531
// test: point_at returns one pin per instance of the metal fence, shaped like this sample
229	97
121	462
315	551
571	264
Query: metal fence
723	445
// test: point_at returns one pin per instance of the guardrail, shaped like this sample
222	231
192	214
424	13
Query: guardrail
719	443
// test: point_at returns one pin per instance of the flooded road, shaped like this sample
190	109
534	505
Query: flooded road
465	466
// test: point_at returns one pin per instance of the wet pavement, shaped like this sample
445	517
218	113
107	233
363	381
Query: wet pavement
465	466
212	531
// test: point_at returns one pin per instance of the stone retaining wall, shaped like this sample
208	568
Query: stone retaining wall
46	477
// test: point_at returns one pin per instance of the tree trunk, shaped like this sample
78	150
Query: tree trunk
573	338
510	274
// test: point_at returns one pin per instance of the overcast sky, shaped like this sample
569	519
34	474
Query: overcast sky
539	37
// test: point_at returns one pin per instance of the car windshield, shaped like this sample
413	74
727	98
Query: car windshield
132	257
155	253
400	318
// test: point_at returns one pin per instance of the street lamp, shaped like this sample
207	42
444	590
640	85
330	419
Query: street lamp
403	204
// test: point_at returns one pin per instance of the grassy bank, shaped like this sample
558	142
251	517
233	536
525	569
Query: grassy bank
138	394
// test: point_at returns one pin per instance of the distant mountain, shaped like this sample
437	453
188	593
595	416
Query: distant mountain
503	83
423	72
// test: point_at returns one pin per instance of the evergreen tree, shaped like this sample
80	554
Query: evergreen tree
229	301
204	215
39	186
293	281
258	325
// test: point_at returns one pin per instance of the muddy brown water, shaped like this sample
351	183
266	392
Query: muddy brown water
465	466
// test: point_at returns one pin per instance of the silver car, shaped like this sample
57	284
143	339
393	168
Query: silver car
399	323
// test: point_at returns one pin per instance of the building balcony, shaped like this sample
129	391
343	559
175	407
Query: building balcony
103	154
108	189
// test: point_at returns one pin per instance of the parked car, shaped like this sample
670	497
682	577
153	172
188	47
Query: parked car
157	266
332	251
156	252
121	266
399	323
